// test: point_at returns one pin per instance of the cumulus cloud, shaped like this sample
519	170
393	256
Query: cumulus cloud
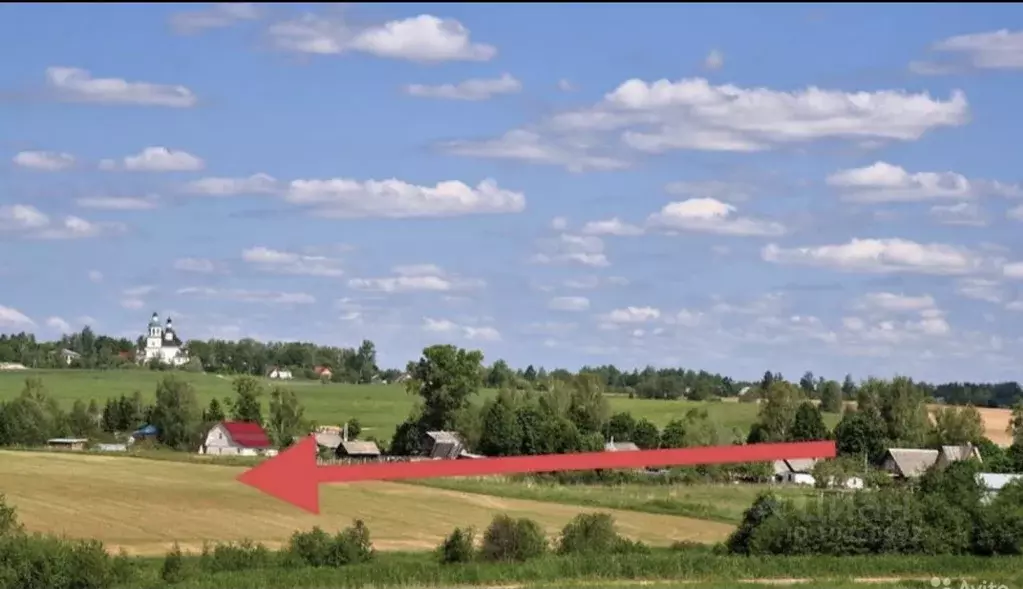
569	303
156	159
471	90
632	315
29	222
59	324
709	215
993	50
587	250
281	262
45	161
898	303
981	289
78	85
962	213
219	16
883	182
882	256
613	226
219	186
416	278
119	203
423	38
484	333
345	198
249	296
13	318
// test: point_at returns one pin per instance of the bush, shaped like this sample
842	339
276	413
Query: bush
316	548
508	539
173	569
457	547
242	556
9	524
594	533
47	562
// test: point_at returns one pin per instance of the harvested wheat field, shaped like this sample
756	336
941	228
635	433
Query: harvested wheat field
996	423
144	506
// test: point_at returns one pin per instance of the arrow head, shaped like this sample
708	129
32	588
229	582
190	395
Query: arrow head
291	476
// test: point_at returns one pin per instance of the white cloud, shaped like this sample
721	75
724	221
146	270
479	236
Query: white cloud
693	114
219	16
963	213
199	265
250	296
898	303
423	38
469	332
1013	270
95	276
632	315
714	60
417	278
613	226
255	184
883	182
711	216
882	256
29	222
281	262
530	146
1001	49
78	85
59	324
981	289
559	223
471	90
587	250
344	198
569	303
13	318
156	159
119	203
46	161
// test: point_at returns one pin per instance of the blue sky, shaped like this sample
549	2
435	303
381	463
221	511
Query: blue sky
735	188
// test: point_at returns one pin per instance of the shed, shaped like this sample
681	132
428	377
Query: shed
441	444
67	443
358	449
614	446
949	454
236	438
329	440
908	462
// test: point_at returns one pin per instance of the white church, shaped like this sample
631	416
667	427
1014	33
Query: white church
162	343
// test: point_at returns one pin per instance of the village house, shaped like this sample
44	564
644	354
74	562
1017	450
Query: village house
614	446
441	444
237	438
323	372
70	356
795	471
910	463
76	444
278	373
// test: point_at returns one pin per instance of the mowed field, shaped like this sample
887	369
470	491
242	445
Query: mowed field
144	506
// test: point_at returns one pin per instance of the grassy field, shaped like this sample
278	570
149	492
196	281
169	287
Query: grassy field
379	408
713	502
144	506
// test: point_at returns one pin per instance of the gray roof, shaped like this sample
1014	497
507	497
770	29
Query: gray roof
360	448
441	436
995	482
964	452
794	465
327	439
445	444
912	462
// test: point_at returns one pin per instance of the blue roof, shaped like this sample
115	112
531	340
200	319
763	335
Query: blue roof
149	430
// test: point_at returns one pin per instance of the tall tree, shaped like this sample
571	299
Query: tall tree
808	384
445	377
831	397
502	433
848	388
808	425
247	406
957	425
778	410
287	417
1015	428
177	414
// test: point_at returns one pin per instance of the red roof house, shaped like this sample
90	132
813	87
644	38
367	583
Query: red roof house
323	371
237	438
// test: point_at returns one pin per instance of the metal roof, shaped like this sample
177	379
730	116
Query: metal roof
360	448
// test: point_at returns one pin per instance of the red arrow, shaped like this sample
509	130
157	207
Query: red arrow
294	477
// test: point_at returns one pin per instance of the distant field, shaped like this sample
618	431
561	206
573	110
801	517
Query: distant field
379	408
715	502
144	506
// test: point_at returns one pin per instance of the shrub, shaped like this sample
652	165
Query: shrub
316	548
9	524
593	533
173	569
508	539
352	545
312	548
242	556
31	561
458	546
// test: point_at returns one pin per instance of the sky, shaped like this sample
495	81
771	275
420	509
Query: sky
734	188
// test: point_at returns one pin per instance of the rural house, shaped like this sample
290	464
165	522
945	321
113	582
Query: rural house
441	444
908	463
949	454
237	438
795	471
323	372
278	373
67	443
614	446
358	449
